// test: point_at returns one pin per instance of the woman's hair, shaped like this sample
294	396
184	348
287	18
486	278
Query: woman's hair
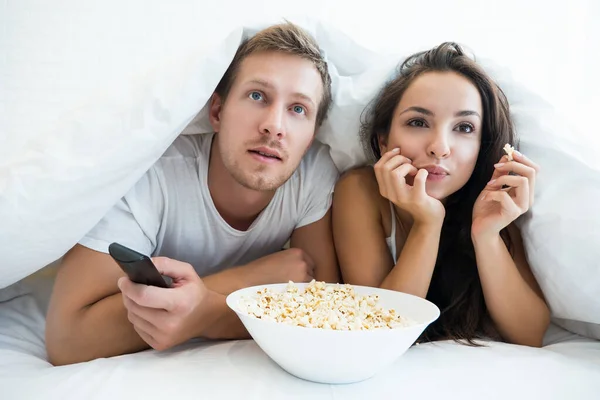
455	286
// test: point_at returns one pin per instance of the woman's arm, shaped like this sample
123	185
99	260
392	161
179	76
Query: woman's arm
360	243
513	297
412	273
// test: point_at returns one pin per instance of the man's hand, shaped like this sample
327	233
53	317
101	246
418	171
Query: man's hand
165	317
281	267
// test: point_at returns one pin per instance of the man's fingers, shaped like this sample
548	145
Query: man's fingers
146	337
177	270
141	324
146	296
154	316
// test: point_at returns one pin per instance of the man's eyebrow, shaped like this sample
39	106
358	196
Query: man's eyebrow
261	82
268	85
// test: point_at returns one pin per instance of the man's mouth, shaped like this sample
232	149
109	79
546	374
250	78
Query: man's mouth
265	154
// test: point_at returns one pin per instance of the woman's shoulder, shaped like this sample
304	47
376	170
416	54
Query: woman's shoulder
359	178
359	185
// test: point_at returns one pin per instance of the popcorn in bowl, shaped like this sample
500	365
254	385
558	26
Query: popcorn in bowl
324	306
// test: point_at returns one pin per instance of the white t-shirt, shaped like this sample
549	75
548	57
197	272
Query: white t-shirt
169	212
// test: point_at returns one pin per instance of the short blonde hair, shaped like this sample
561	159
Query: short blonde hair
283	38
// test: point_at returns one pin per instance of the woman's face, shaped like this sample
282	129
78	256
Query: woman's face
437	125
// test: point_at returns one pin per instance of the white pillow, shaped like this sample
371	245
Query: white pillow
561	232
581	328
62	181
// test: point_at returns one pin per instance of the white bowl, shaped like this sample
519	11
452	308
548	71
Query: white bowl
332	356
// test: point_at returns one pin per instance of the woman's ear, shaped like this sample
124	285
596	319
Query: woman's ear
214	112
382	144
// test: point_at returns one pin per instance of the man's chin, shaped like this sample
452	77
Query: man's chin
262	183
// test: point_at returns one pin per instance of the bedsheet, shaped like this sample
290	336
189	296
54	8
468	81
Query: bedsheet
567	367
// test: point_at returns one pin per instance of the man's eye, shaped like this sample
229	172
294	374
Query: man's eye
256	96
299	110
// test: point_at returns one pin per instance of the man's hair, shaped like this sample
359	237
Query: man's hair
282	38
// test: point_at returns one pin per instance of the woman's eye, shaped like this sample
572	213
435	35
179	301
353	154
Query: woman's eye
418	123
298	109
466	128
256	96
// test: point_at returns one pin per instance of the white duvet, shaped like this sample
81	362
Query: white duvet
568	367
93	93
96	95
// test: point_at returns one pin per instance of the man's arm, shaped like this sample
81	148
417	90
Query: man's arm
86	318
294	264
316	240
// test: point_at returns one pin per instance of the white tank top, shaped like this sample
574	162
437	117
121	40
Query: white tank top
391	240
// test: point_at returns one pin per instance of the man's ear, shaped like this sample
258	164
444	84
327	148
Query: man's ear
214	112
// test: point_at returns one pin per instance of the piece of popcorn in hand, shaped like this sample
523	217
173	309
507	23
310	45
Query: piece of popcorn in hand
509	150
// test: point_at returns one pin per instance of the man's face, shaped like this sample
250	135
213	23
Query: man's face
268	120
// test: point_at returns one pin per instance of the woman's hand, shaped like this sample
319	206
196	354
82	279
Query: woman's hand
497	207
391	172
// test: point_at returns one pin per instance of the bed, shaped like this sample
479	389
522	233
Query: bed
567	367
96	130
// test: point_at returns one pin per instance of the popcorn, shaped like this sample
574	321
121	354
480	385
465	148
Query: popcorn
509	151
335	307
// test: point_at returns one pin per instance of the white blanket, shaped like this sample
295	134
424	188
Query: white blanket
568	367
96	95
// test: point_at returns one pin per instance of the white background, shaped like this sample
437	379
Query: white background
54	55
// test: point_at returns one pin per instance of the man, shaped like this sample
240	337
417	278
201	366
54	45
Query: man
215	211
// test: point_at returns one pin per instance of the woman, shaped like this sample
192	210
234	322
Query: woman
435	215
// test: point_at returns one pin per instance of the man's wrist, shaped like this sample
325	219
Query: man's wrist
219	321
208	311
229	281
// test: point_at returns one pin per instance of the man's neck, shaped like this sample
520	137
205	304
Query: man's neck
237	205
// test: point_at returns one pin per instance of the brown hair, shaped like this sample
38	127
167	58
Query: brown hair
283	38
455	286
